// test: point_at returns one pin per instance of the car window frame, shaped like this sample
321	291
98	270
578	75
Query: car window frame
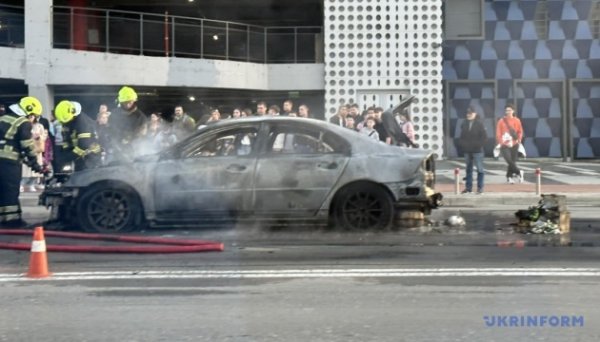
202	138
269	127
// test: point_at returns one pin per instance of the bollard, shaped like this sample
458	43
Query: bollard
538	181
456	181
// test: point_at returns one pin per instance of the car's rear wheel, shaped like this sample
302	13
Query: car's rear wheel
109	209
363	206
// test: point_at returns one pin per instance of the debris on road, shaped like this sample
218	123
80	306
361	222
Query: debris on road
455	221
550	216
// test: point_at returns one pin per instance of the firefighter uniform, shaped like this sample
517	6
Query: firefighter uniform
80	144
16	146
127	126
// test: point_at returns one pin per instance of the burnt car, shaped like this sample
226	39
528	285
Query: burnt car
253	169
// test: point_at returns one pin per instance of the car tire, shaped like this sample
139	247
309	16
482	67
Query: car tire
363	206
109	209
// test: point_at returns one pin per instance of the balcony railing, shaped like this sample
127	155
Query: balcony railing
151	34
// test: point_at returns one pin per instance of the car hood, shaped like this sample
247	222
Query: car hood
127	172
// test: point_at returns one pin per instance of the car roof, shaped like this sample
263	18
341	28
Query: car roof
360	143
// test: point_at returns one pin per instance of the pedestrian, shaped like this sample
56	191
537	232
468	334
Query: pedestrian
274	110
80	144
472	139
127	125
16	147
394	132
32	180
509	135
340	117
368	128
183	124
261	108
350	124
236	113
288	107
407	128
303	111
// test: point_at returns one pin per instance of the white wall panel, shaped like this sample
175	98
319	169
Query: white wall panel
386	48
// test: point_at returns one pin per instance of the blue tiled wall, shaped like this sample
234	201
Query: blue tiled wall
512	50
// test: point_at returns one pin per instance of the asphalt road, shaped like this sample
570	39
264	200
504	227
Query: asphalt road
433	283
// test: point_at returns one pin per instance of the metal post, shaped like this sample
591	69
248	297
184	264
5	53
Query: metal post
71	31
295	44
247	43
173	36
201	38
456	181
226	40
107	31
141	34
166	33
265	47
538	181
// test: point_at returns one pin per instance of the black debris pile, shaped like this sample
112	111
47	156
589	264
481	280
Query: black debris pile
549	216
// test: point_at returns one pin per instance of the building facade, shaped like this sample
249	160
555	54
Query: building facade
542	55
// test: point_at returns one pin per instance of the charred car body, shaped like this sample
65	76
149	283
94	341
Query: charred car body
267	168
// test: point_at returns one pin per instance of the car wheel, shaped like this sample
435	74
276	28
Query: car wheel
109	209
364	207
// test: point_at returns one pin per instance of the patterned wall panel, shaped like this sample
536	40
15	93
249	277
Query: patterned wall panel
387	47
585	102
517	47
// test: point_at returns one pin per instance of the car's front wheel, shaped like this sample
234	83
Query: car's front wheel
363	206
109	209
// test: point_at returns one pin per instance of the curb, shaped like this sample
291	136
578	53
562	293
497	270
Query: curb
517	199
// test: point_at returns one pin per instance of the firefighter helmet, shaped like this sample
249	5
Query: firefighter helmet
31	106
64	111
127	94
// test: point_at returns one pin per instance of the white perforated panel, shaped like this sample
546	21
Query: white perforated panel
377	51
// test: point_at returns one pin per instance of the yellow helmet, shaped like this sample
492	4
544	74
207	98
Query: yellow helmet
31	106
64	111
127	94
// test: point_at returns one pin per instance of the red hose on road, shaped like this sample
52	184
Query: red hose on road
170	245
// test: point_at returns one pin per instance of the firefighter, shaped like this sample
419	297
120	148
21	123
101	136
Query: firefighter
80	144
16	146
127	126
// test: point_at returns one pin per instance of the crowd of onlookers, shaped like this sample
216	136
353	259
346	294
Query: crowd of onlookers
161	131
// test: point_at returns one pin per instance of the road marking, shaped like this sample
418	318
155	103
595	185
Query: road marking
579	170
313	273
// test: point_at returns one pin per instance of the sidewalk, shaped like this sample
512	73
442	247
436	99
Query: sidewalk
519	194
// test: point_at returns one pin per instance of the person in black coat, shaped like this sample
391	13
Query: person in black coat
472	139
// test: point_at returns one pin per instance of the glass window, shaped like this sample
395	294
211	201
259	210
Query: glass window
231	142
463	19
301	140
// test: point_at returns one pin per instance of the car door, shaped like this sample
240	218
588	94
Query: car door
208	176
297	169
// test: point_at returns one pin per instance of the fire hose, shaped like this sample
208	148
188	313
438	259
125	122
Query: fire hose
169	245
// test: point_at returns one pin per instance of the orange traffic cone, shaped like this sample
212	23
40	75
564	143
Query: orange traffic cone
38	262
